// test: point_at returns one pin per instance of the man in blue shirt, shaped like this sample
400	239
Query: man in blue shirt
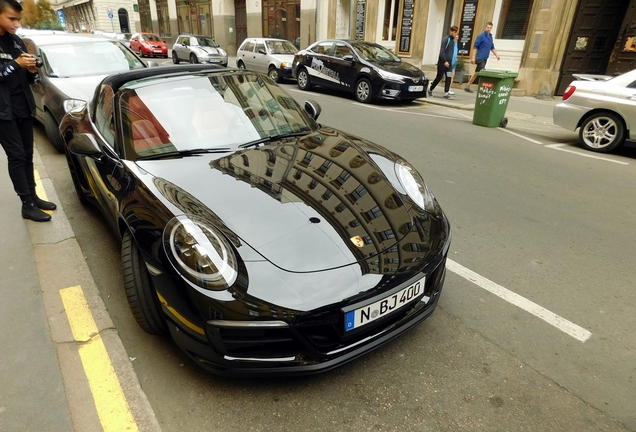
481	50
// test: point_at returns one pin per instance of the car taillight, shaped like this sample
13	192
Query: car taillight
568	92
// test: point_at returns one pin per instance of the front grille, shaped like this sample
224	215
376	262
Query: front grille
254	342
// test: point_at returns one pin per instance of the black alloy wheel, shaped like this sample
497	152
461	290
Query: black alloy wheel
53	132
175	58
364	91
602	132
193	59
303	79
141	295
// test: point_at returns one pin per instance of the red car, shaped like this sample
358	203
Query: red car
148	44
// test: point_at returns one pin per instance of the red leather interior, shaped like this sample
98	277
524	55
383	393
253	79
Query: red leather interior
139	111
145	135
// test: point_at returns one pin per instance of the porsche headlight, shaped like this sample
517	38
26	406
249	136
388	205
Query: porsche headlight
414	186
200	252
390	76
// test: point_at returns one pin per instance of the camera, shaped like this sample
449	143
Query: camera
38	62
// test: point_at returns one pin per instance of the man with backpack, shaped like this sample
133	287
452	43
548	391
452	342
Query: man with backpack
444	63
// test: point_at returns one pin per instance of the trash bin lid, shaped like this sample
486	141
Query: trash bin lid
497	74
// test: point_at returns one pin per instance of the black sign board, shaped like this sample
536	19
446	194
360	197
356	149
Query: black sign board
467	27
360	19
406	26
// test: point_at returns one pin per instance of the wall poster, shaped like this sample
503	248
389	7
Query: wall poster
406	27
467	27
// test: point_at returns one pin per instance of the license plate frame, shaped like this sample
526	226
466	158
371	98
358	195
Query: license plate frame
363	315
416	88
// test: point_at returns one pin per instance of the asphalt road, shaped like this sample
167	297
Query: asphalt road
535	219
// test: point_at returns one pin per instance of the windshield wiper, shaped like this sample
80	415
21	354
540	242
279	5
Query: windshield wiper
273	138
184	153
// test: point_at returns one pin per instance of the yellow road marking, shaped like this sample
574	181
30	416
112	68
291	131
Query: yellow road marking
110	402
39	189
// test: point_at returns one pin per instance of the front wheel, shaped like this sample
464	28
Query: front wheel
52	132
193	59
141	295
602	132
303	79
364	91
273	74
240	65
175	58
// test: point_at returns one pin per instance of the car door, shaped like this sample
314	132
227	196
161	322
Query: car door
318	63
343	64
260	57
627	107
247	54
182	48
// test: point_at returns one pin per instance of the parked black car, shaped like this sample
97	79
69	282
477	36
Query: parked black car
72	66
263	242
366	69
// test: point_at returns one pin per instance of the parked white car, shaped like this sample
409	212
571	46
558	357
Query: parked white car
603	108
198	49
271	56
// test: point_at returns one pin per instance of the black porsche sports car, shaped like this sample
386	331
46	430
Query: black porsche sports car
263	242
366	69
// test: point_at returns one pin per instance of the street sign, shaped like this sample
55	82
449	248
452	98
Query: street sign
60	17
110	15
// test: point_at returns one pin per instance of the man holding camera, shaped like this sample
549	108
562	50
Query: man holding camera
17	109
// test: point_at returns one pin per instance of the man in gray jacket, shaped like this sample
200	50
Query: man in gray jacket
444	63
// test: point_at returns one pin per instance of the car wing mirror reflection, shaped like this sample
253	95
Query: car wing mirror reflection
313	109
86	145
349	57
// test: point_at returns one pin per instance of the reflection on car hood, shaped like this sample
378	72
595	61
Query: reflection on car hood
315	204
210	50
78	88
402	68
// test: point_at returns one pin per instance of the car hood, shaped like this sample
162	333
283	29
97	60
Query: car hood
156	44
287	58
210	50
402	68
312	204
81	88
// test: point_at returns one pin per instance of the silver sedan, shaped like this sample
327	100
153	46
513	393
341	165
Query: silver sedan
602	108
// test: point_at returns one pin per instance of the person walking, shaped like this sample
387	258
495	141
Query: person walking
17	109
444	62
481	51
454	63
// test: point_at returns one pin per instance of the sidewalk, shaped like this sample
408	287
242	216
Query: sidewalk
519	107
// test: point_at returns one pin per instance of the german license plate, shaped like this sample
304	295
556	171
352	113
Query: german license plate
364	315
416	88
158	51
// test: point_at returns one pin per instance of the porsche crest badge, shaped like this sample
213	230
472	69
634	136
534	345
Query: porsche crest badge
357	241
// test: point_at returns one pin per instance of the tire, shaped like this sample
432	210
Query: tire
303	79
141	53
193	59
504	122
240	65
273	74
364	91
141	295
175	58
53	132
602	132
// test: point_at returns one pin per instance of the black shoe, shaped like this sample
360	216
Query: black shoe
30	211
43	205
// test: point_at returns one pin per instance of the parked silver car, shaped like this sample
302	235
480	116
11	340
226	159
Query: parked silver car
72	67
603	108
198	49
271	56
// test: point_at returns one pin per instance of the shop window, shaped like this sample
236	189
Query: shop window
514	18
391	12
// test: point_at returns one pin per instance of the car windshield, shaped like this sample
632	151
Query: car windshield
206	41
206	112
152	38
87	58
281	47
375	52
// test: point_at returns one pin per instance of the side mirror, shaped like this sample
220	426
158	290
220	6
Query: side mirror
261	51
184	44
349	57
152	63
313	109
84	144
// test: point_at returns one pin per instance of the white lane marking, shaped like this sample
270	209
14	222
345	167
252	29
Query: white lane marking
577	332
401	111
521	136
559	147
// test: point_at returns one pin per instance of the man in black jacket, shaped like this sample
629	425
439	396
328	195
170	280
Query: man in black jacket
444	63
17	109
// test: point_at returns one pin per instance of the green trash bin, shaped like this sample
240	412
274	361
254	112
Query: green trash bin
493	94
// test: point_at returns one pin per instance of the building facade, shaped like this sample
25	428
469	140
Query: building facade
544	41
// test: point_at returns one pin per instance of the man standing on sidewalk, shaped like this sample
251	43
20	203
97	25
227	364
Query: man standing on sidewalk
444	63
481	50
17	109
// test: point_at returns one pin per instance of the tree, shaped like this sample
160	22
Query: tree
30	14
47	16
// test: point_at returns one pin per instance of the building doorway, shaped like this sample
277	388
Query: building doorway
240	16
593	35
124	23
